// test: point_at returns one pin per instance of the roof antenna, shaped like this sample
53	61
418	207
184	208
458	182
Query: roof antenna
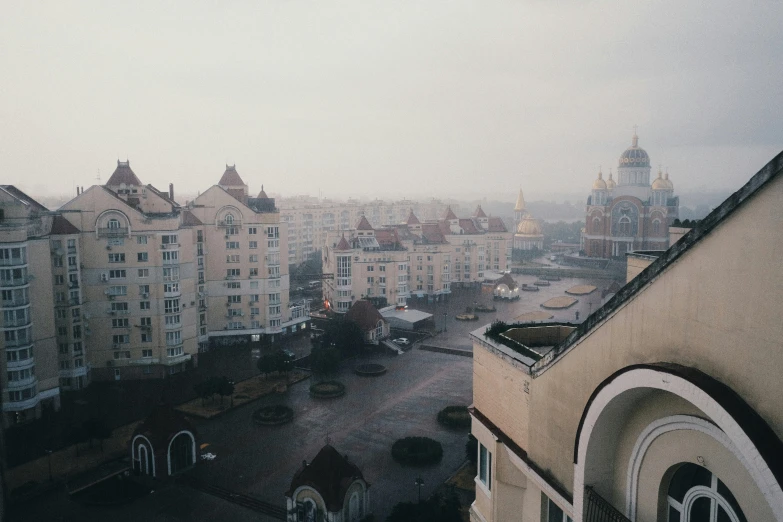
98	177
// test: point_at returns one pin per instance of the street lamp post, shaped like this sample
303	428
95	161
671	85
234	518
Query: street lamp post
444	320
419	482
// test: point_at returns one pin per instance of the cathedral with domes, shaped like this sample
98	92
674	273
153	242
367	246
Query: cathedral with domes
631	213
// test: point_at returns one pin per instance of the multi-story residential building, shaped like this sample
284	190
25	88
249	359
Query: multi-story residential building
424	259
310	222
246	284
139	264
664	404
32	264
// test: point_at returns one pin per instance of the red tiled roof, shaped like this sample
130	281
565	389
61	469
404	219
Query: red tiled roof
496	224
387	237
431	233
123	174
479	212
412	219
469	226
450	214
364	314
231	177
61	226
189	219
330	474
364	224
444	227
343	244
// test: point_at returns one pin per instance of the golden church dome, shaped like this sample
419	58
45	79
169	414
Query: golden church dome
610	184
529	227
659	183
599	184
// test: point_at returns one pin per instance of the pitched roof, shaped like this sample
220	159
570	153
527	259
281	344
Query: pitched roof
364	314
387	238
231	177
450	214
495	224
330	474
123	174
24	198
412	219
506	280
479	212
61	226
343	244
364	224
431	233
469	226
690	240
189	219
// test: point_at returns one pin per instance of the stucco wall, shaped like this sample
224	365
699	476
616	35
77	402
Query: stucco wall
714	309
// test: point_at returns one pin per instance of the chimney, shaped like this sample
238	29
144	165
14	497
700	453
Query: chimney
171	191
77	190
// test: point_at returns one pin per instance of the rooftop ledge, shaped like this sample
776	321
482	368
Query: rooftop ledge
524	343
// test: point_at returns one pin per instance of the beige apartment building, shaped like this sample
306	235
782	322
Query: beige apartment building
664	404
246	284
413	258
138	259
310	220
33	257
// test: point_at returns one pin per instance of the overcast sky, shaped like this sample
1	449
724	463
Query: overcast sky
391	98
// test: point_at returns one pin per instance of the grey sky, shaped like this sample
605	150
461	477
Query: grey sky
392	98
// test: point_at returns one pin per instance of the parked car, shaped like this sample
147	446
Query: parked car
402	341
288	353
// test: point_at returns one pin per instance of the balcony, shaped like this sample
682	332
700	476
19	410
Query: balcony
598	509
14	281
176	359
22	383
113	232
17	323
14	303
14	261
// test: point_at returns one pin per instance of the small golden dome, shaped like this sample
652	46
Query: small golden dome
529	227
659	183
668	182
610	184
599	184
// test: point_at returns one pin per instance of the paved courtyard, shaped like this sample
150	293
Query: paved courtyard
260	461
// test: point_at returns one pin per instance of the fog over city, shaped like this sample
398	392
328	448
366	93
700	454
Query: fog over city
388	99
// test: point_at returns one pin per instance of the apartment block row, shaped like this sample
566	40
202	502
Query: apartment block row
394	262
122	282
310	220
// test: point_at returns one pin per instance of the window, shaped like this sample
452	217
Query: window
485	467
370	268
272	232
144	289
232	245
235	299
274	298
118	290
116	258
171	306
58	261
254	272
117	274
120	339
59	280
234	285
254	285
174	338
62	314
551	512
122	355
232	258
63	348
229	219
171	274
144	305
232	231
255	311
145	321
254	258
174	352
119	308
274	271
252	231
113	224
370	280
656	226
171	288
142	257
253	244
254	298
146	354
382	268
696	495
232	272
144	272
172	320
169	239
170	257
141	240
119	323
146	338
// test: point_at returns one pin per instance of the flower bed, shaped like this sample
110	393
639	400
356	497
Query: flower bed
273	415
327	389
370	369
417	451
454	417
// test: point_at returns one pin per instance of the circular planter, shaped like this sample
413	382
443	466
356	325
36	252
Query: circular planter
273	415
417	451
456	417
370	369
327	389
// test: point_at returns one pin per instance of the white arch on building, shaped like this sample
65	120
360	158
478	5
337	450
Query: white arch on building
152	450
639	378
192	444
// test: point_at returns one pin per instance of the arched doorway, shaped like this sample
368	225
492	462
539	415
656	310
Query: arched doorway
182	452
695	494
353	508
143	460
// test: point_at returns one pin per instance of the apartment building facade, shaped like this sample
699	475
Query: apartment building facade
245	276
30	377
424	259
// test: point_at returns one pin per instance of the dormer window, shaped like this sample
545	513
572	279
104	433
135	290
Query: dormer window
114	224
229	219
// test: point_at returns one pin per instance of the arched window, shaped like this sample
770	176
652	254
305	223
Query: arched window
113	224
624	226
596	225
307	511
229	219
656	226
696	495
